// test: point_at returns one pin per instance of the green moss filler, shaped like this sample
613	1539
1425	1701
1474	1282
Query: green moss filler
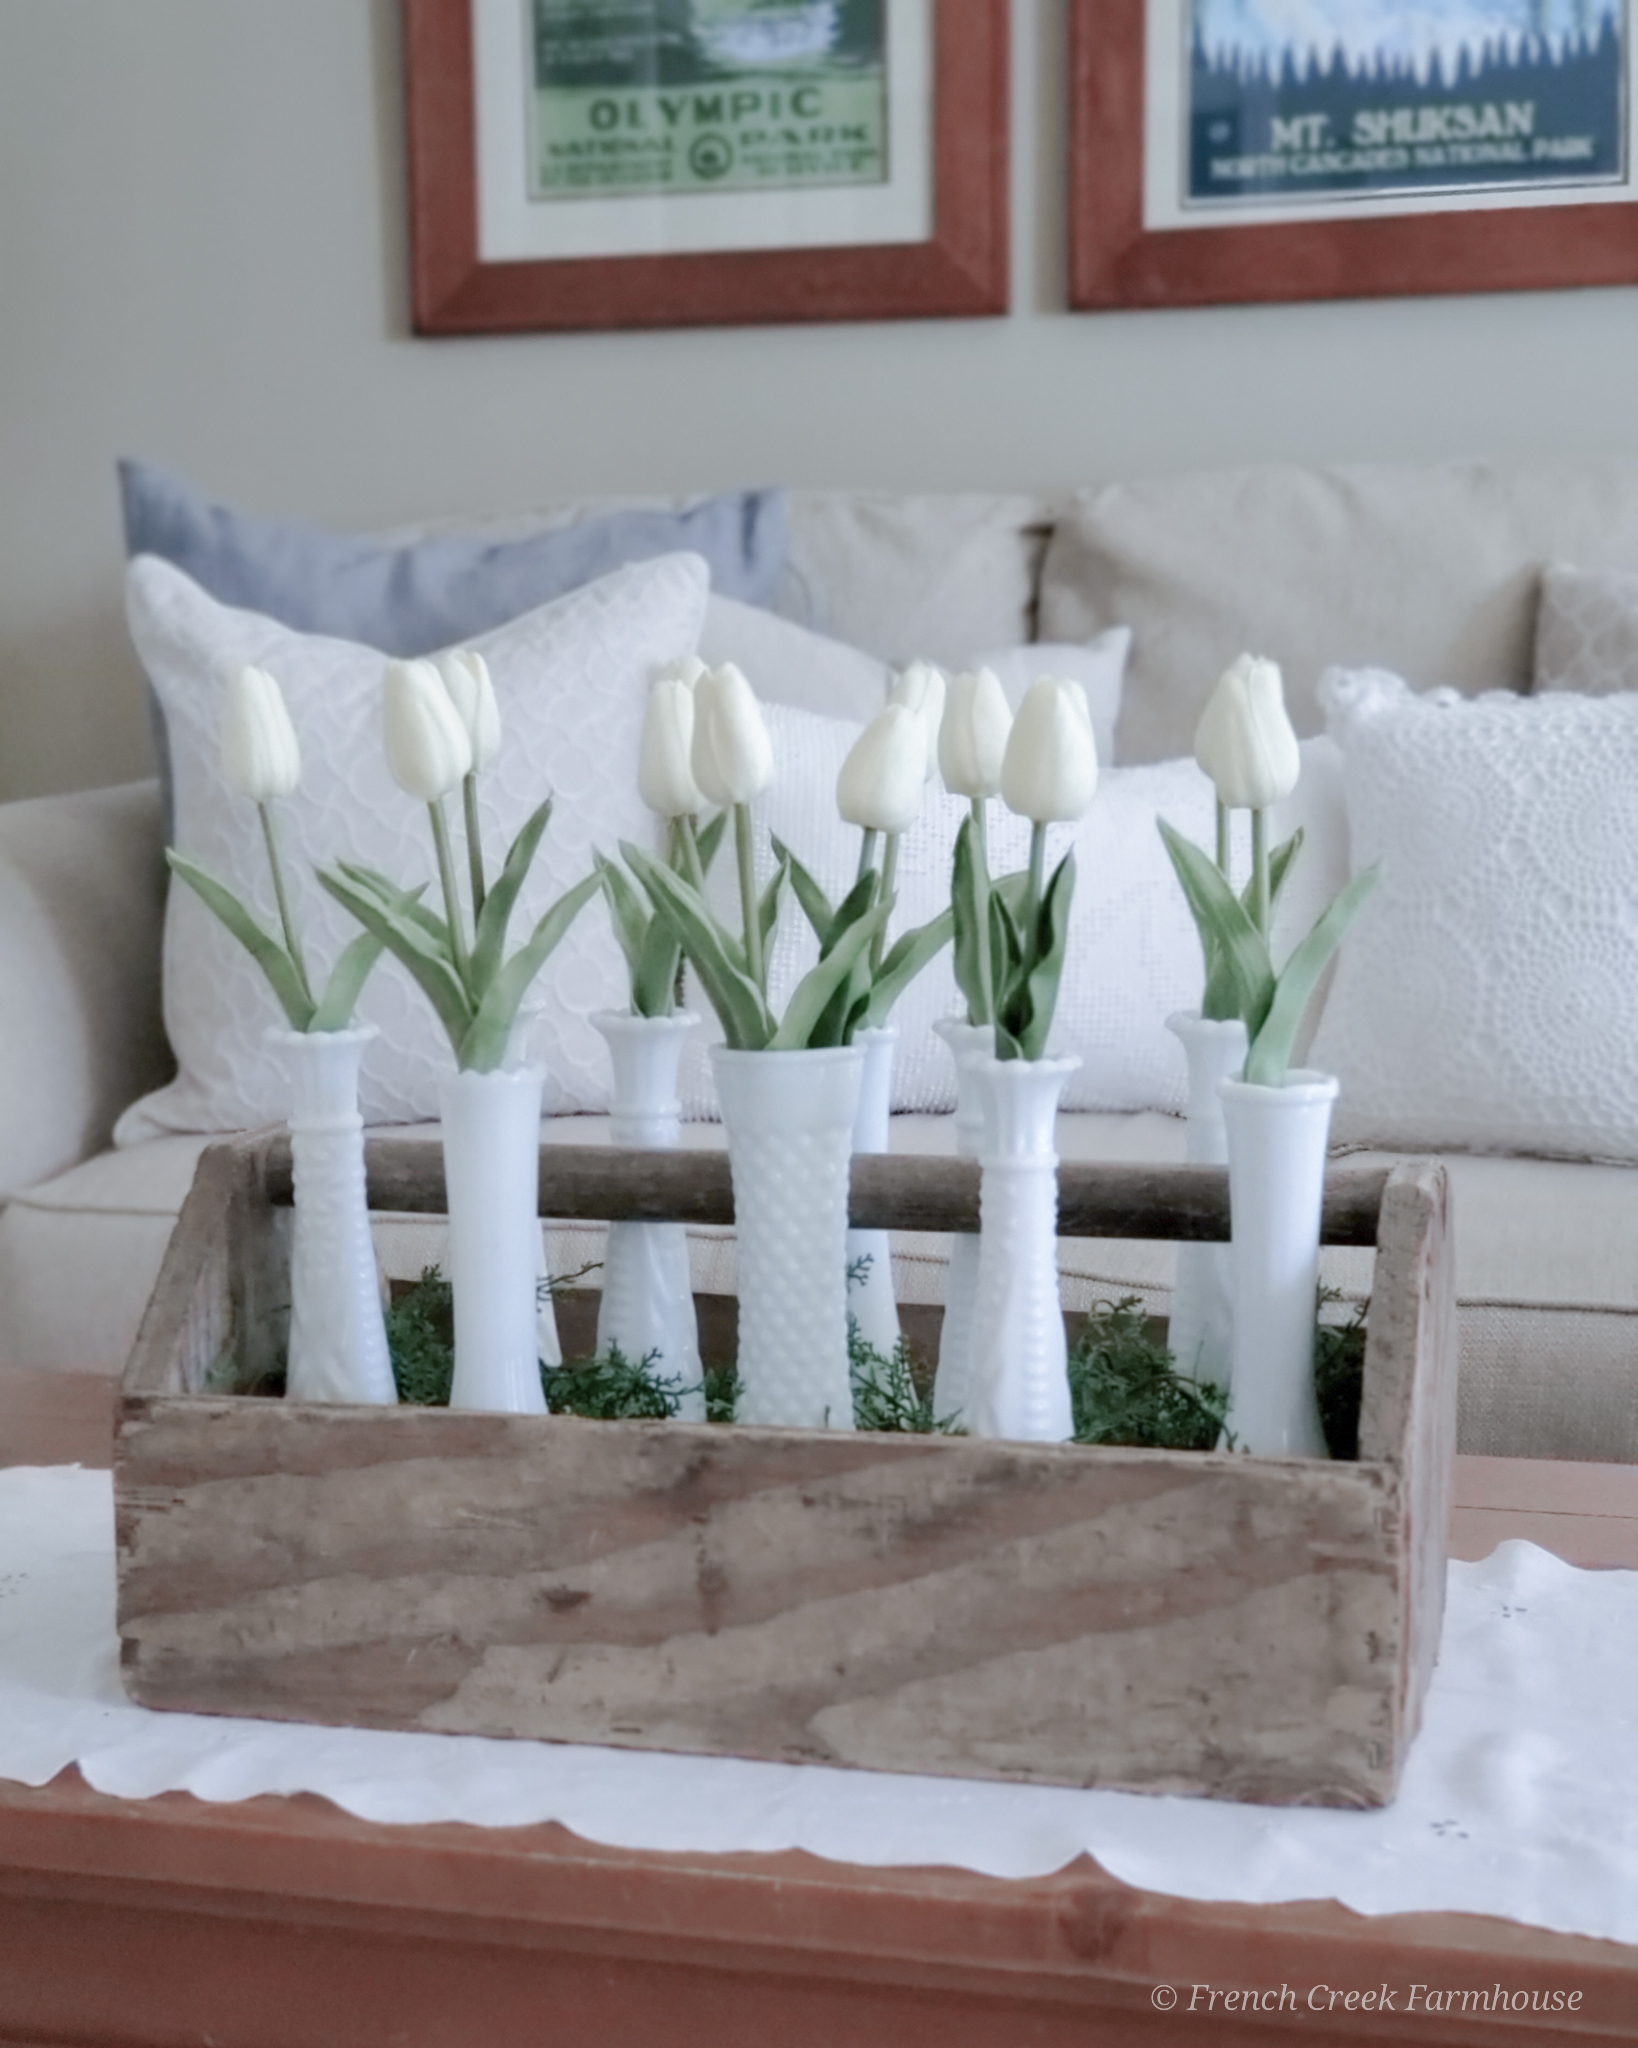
1124	1384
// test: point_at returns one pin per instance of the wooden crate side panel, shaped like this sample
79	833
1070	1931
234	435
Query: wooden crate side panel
1408	1415
1170	1621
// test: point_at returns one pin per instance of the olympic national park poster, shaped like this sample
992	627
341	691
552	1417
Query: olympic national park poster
1293	99
691	96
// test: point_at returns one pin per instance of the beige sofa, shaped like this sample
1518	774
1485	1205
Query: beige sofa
1431	571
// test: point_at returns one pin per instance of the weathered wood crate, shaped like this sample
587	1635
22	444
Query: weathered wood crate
1249	1628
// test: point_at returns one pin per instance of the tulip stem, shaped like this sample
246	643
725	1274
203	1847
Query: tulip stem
452	895
291	943
1223	837
745	847
867	852
1259	871
1032	894
983	1011
689	845
890	865
474	843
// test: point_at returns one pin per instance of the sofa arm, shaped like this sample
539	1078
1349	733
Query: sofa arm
82	899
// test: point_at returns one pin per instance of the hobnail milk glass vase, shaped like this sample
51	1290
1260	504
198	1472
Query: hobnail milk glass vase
1201	1332
1019	1385
967	1042
1277	1141
338	1338
789	1119
647	1309
869	1254
491	1130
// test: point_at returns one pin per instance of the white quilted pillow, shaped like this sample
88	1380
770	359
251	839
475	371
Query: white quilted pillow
1134	956
1487	998
572	680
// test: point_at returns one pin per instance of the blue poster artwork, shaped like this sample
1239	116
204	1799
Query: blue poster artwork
1356	98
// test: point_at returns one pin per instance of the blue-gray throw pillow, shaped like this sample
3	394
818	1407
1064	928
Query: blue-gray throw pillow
414	597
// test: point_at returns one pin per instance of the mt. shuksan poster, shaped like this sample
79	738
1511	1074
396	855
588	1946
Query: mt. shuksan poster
1290	99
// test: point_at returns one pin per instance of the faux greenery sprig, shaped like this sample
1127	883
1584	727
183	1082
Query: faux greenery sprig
261	759
473	986
1245	743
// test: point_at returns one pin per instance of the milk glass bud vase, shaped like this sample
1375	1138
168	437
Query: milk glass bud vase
1277	1141
869	1254
338	1339
1019	1384
1201	1334
491	1130
647	1310
789	1118
967	1043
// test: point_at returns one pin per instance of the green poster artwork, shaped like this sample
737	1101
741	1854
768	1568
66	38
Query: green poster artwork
642	96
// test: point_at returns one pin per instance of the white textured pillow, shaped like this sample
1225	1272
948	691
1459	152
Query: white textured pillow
787	664
1134	956
1487	998
572	680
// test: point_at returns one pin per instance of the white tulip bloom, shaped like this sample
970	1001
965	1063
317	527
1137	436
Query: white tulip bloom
1244	740
1049	772
427	746
882	779
259	754
665	778
466	678
732	756
921	688
972	736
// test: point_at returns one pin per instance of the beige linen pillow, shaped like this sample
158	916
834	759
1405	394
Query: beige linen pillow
1430	570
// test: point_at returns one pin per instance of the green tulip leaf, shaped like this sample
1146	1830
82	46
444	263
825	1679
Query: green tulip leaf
814	991
1224	923
906	958
767	912
346	983
484	1046
737	1000
1280	863
405	938
817	907
859	901
262	947
654	979
631	921
388	894
489	938
970	904
1270	1054
1024	1021
708	837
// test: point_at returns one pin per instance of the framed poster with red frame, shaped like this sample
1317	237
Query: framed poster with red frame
1459	146
658	163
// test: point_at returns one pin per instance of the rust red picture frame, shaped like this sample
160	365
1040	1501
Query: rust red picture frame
1115	262
962	269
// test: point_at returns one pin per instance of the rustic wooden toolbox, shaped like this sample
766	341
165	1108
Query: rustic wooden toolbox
1249	1628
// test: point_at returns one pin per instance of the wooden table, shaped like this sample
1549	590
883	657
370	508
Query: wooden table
284	1923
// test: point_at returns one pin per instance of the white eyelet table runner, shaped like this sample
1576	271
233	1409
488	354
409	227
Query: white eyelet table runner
1520	1799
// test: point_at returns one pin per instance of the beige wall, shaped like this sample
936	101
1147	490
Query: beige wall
202	260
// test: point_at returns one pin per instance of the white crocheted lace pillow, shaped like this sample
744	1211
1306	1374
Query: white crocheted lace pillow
572	681
1487	997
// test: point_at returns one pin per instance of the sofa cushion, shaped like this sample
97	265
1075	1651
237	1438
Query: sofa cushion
82	894
572	682
915	577
1487	997
1430	570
